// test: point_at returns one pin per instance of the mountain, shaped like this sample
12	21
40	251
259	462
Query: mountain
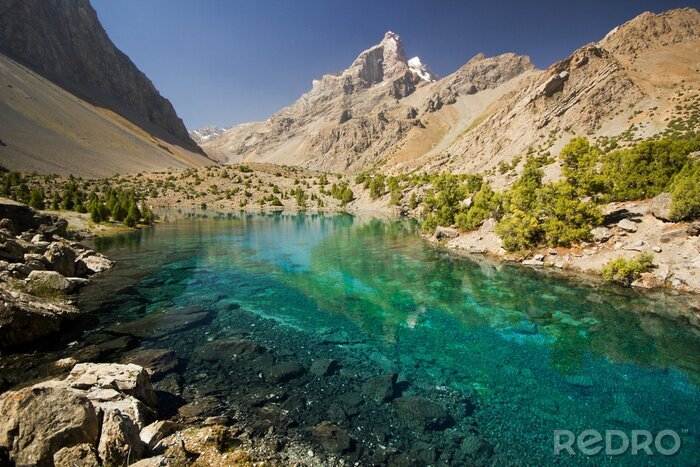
386	112
57	49
352	120
635	81
207	133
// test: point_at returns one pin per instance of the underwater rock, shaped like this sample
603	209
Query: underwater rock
324	367
157	362
422	412
204	406
163	323
332	438
283	372
230	349
380	388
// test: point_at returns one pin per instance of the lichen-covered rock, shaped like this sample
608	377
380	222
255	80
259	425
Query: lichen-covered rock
80	455
120	443
42	281
661	207
38	421
62	258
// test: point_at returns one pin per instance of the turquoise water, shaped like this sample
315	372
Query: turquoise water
534	353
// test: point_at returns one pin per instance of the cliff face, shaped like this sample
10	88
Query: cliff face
64	41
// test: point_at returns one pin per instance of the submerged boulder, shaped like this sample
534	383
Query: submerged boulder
422	412
283	372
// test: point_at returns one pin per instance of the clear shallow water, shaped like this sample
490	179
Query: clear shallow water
537	353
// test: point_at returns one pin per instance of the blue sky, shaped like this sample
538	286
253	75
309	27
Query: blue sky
224	62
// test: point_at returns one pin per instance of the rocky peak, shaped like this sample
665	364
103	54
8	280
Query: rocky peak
421	70
209	133
482	72
384	60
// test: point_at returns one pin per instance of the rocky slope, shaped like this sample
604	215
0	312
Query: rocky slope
630	80
376	109
69	94
380	112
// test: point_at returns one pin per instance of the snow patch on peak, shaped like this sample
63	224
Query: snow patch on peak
423	71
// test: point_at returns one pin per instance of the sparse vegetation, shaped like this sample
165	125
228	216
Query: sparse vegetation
625	271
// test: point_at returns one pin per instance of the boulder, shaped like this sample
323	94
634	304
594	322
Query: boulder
48	281
38	421
445	232
422	412
332	438
283	372
128	379
53	226
324	367
533	262
11	251
380	388
80	455
601	234
555	83
153	433
675	234
25	321
94	262
163	323
693	229
120	443
157	362
200	407
627	225
661	207
62	258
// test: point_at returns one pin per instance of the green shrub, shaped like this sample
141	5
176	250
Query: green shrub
519	230
625	271
685	193
564	217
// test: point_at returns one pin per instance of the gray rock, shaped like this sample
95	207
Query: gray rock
422	412
601	234
380	388
128	379
38	421
283	372
95	262
533	262
555	83
201	407
11	251
445	232
62	258
627	225
661	207
41	281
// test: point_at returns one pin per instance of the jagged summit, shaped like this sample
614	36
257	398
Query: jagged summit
421	70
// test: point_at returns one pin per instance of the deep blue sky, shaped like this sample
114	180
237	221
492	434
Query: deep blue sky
224	62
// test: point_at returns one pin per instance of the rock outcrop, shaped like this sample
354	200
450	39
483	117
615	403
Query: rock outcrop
37	269
98	411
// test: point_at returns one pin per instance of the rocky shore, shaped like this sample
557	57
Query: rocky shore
41	268
628	229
